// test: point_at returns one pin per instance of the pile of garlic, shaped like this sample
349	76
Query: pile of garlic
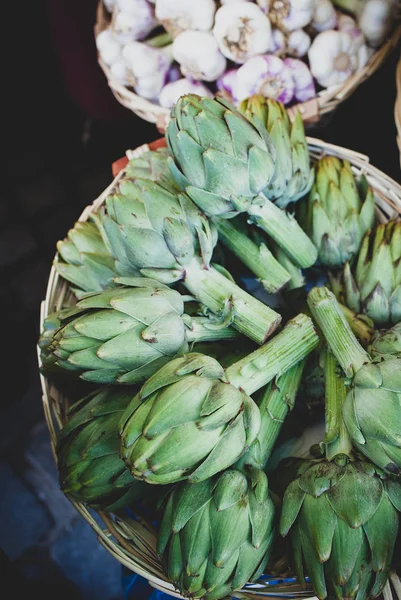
283	49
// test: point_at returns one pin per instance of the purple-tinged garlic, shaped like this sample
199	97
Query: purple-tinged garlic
174	90
148	68
374	17
242	30
267	75
288	15
198	55
227	86
132	20
182	15
304	84
336	55
324	16
108	47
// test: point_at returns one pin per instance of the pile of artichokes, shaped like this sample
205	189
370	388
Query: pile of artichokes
232	360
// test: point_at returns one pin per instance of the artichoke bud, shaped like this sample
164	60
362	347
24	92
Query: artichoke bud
90	467
386	343
338	212
373	285
217	534
187	422
337	515
152	165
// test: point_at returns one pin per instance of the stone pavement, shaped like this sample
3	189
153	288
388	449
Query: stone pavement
58	162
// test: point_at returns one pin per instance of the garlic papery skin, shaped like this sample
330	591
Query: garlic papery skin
181	15
288	15
198	55
148	68
227	86
334	56
324	16
174	90
305	88
134	22
242	30
267	75
108	47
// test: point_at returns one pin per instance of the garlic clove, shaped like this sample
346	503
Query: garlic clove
198	55
171	92
182	15
242	30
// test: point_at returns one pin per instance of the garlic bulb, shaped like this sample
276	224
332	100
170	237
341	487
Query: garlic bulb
336	55
120	71
304	84
174	90
133	21
267	75
109	48
242	30
288	15
109	5
198	55
181	15
294	44
148	68
374	17
324	16
227	86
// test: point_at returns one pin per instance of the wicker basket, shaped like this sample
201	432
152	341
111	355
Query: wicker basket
397	106
132	542
312	111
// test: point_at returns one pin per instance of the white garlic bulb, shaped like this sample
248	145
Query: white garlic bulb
109	48
148	68
336	55
242	30
198	55
120	71
288	15
324	16
132	20
267	75
174	90
181	15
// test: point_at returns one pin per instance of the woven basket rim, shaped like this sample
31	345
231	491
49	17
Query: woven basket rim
312	110
133	543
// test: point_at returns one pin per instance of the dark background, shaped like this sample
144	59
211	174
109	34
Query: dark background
61	130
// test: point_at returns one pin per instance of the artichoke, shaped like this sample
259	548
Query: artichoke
164	235
193	419
343	520
386	342
152	165
338	212
224	163
124	335
85	259
372	407
90	468
217	534
293	176
373	285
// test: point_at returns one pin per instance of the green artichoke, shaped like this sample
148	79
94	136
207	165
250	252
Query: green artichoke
164	235
338	212
85	259
152	165
373	285
386	342
372	407
125	334
293	176
217	534
224	163
90	467
193	419
343	520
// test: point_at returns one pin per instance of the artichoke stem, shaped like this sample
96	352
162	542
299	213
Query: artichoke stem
285	230
361	329
337	439
286	349
277	401
258	259
339	336
218	293
202	329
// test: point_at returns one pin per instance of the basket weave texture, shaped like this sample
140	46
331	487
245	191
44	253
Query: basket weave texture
133	542
326	101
